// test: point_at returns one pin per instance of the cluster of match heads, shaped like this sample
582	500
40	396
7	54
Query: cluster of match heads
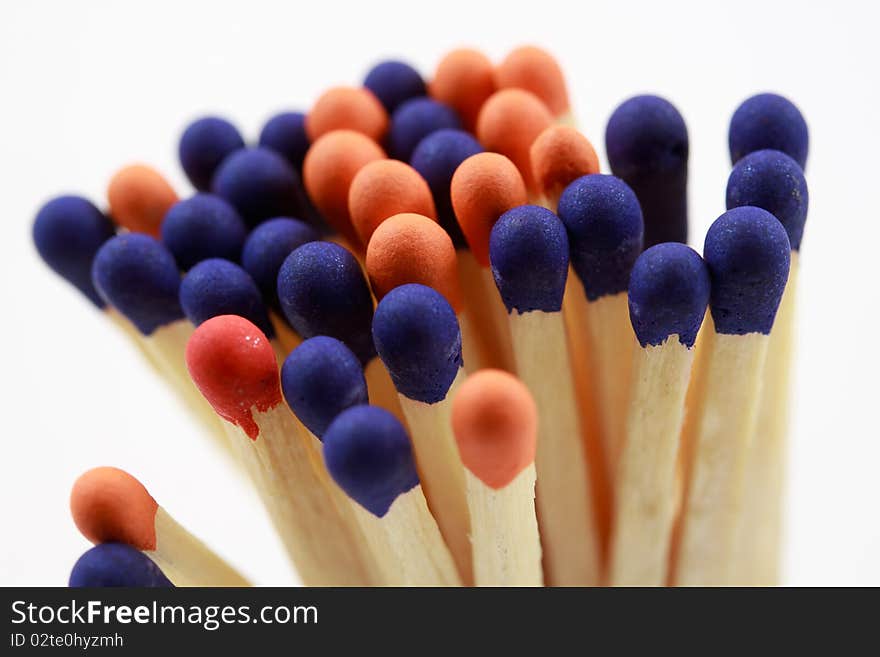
445	347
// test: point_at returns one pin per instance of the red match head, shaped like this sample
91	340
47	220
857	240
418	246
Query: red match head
464	80
535	70
347	108
559	156
139	199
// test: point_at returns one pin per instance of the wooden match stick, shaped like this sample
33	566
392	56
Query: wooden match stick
495	423
529	253
109	505
748	253
668	294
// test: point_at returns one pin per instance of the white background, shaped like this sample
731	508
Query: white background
88	86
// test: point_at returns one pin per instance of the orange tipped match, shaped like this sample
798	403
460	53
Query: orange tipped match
329	167
495	422
484	187
464	80
559	156
509	123
411	248
139	198
535	70
108	504
384	188
347	108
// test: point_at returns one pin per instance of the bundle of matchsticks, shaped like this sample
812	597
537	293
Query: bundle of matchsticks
445	348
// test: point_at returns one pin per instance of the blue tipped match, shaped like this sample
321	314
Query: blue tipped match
68	231
418	338
604	223
369	455
111	565
748	254
268	246
775	182
204	145
285	134
201	227
320	379
647	144
413	121
668	294
394	82
768	121
138	276
436	158
322	291
528	250
260	184
217	287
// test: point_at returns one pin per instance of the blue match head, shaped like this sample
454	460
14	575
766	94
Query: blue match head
528	250
368	453
116	565
203	226
394	82
668	294
604	223
138	276
436	158
418	338
775	182
413	121
285	134
647	144
68	231
268	246
320	379
204	145
768	121
748	255
322	291
260	183
217	287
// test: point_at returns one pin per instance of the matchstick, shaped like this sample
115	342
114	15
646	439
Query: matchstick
768	121
201	227
394	82
109	505
265	250
537	71
323	291
203	145
414	120
484	187
647	144
410	248
495	424
139	198
382	189
668	295
773	181
529	253
508	124
604	224
747	252
464	79
114	565
418	338
347	108
370	456
233	365
559	156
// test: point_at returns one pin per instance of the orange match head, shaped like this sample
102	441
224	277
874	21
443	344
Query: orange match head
330	165
139	198
495	422
509	123
384	188
535	70
411	248
347	108
484	187
559	156
464	80
109	505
